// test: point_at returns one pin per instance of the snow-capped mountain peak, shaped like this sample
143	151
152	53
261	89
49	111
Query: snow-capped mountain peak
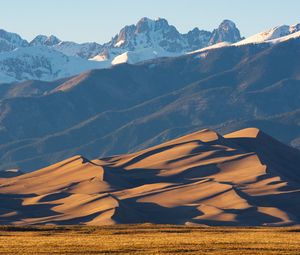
294	28
43	40
271	34
146	33
145	24
82	50
153	38
10	41
276	32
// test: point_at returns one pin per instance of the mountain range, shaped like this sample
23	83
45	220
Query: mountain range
128	107
131	107
242	178
38	60
47	58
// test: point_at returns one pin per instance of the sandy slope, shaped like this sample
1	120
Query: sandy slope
243	178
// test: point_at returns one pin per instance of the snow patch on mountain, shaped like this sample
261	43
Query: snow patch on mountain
42	63
285	38
215	46
274	33
141	55
273	36
82	50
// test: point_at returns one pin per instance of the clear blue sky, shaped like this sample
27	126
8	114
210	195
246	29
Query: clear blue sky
99	20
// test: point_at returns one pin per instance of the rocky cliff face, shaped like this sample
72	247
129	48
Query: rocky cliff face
226	32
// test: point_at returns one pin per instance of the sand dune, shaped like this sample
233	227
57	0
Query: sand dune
242	178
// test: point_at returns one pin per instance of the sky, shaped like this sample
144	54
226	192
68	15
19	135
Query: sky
100	20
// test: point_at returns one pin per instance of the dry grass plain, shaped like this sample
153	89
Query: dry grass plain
148	239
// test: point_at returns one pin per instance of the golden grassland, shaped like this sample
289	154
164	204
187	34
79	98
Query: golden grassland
148	239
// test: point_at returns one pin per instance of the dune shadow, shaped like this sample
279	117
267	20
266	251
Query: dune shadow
243	217
118	177
158	150
12	208
144	212
54	196
81	220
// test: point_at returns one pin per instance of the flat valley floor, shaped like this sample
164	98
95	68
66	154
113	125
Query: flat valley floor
148	239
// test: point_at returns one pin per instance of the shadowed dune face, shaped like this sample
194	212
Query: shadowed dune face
242	178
